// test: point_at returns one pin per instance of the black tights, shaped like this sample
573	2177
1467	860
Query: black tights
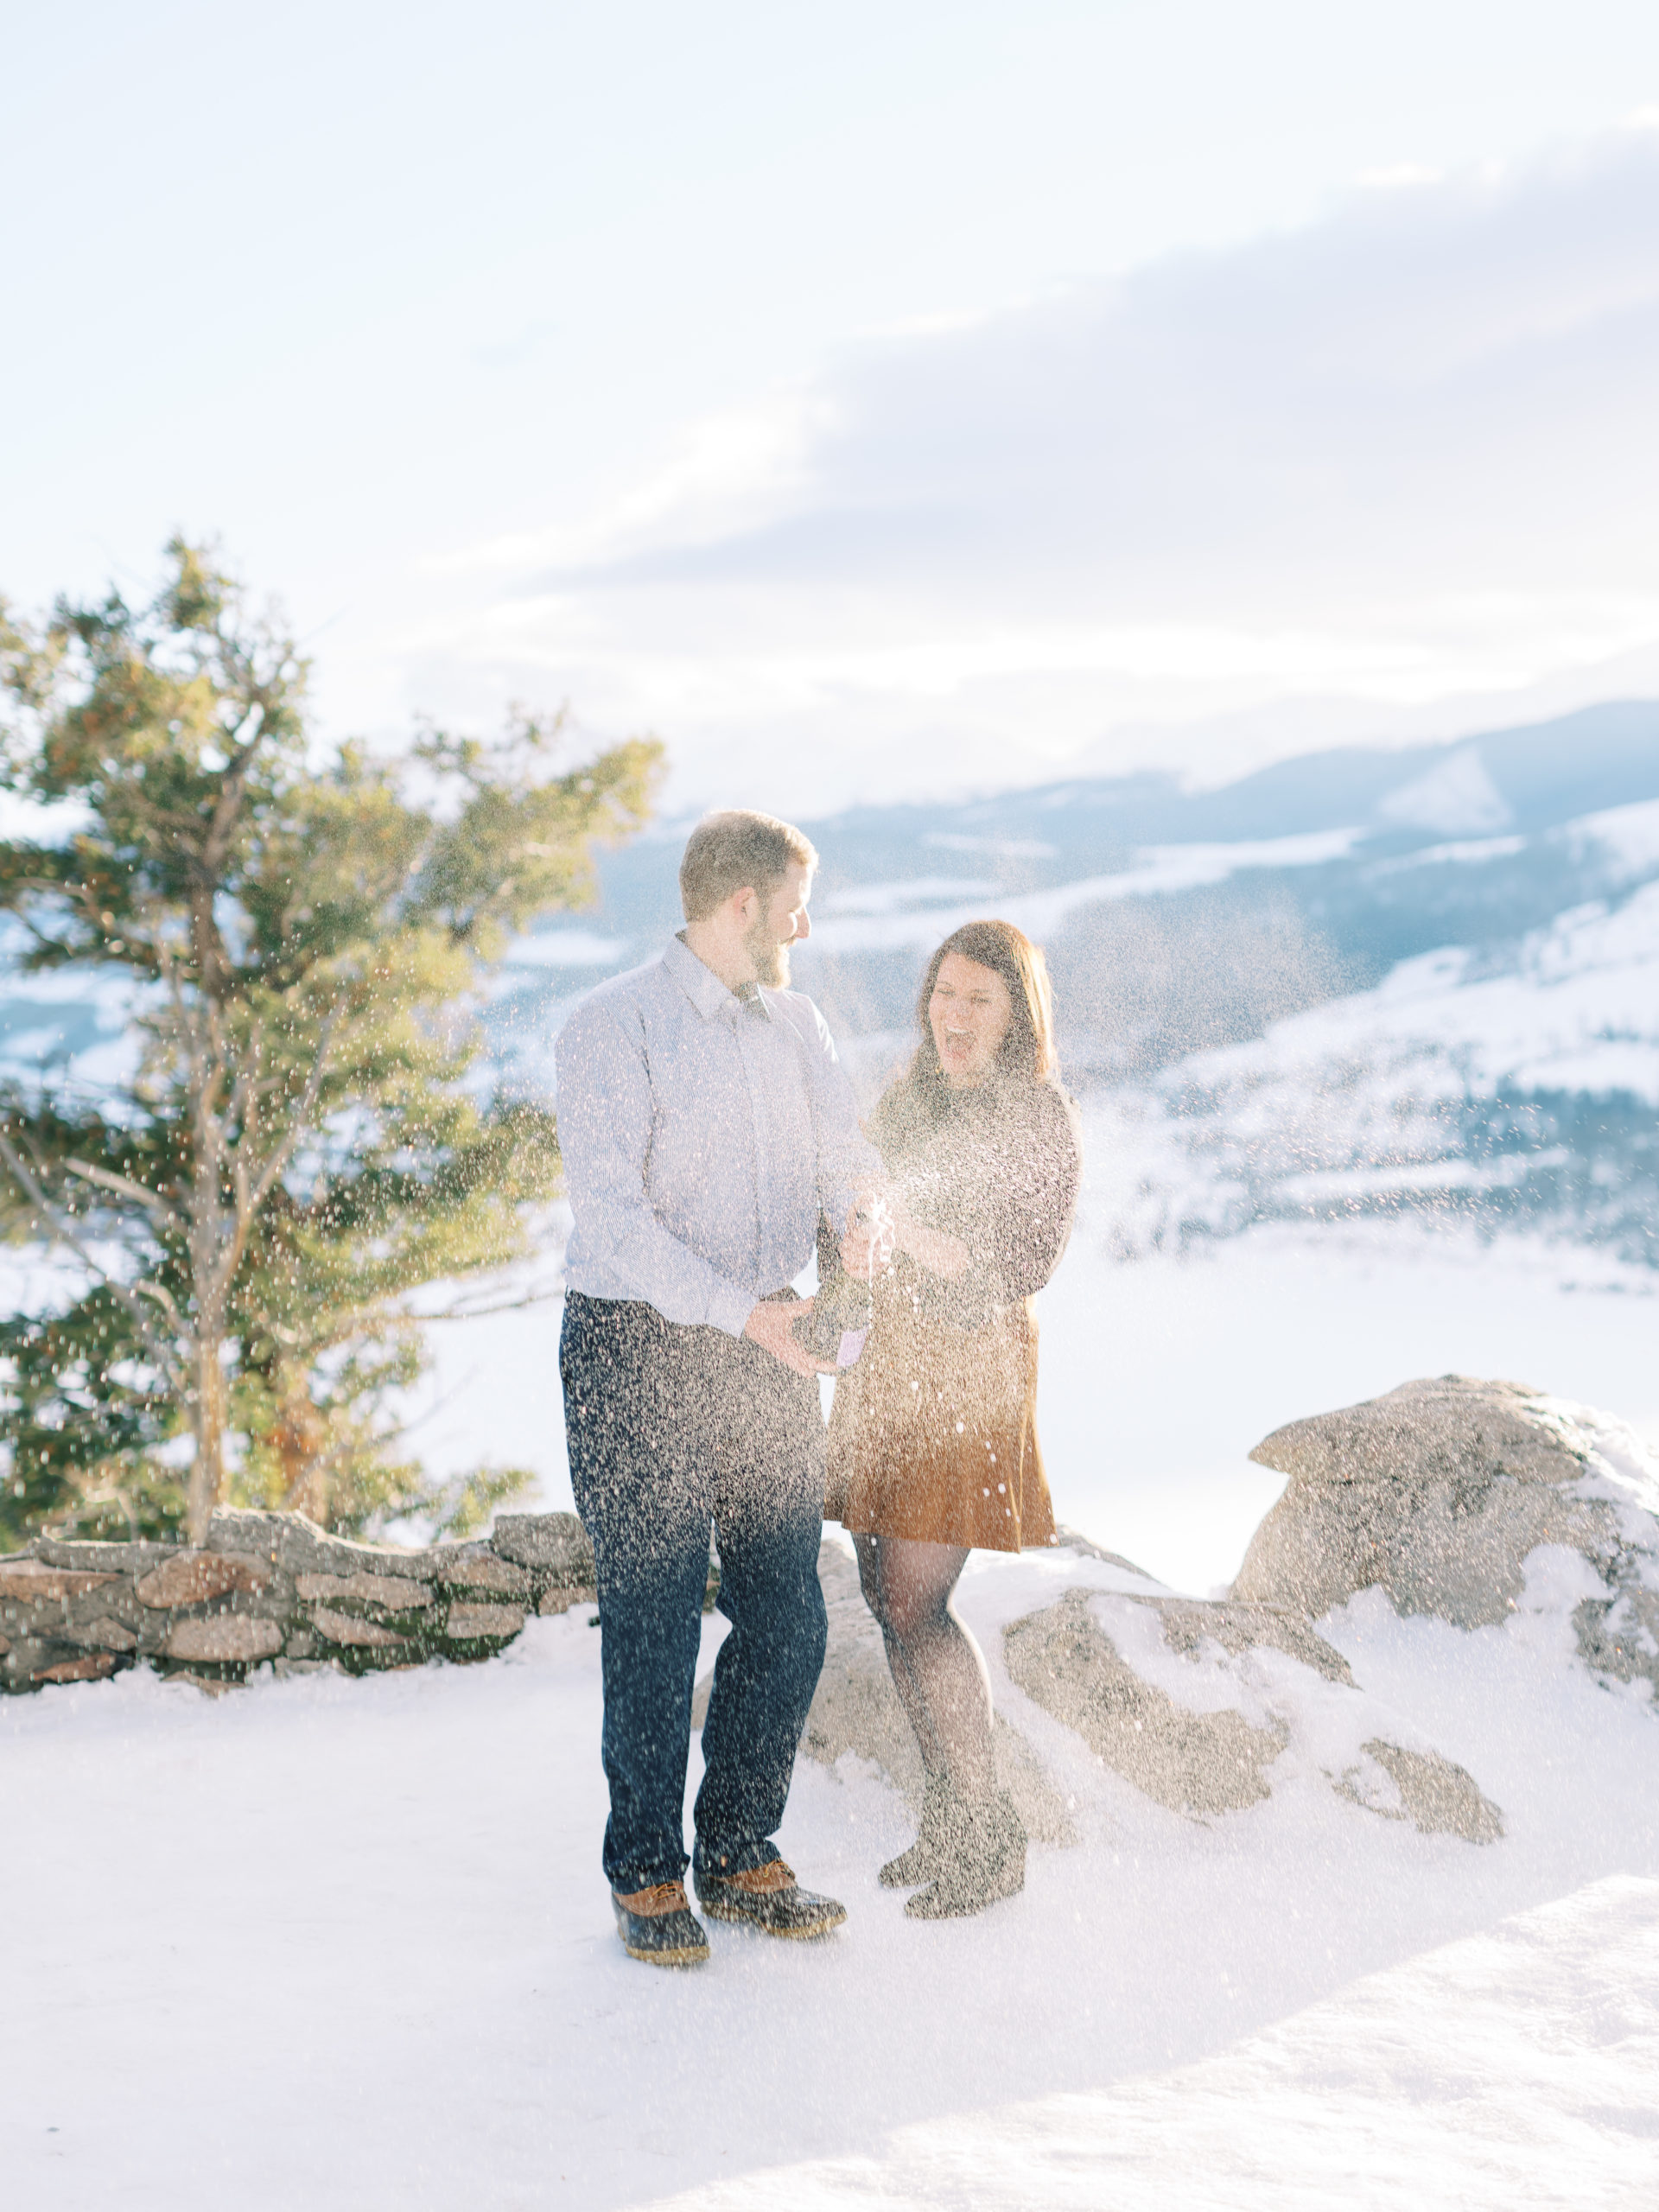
938	1669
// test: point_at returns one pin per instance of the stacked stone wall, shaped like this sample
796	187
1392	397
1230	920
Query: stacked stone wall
273	1589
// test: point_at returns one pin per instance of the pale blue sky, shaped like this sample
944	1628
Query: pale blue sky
421	306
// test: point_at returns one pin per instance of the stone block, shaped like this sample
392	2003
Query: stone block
152	1631
288	1540
469	1623
209	1685
480	1570
33	1579
22	1655
104	1559
394	1591
252	1529
195	1577
92	1668
116	1599
559	1596
299	1546
347	1628
101	1635
226	1638
555	1542
5	1646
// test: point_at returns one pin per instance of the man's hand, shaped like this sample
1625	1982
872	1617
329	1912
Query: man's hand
867	1248
772	1325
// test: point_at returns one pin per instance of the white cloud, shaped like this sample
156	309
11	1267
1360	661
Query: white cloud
1407	454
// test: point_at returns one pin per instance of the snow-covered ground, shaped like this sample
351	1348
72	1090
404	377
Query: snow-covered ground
347	1944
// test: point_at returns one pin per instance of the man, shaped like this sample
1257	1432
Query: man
705	1124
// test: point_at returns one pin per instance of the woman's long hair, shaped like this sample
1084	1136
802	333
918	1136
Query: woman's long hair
1028	1048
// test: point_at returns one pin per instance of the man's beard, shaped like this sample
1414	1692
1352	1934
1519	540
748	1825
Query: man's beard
771	959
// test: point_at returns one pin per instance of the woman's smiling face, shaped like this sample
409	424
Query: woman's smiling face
969	1014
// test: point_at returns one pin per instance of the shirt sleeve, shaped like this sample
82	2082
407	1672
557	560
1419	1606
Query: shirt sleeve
1015	1219
604	1125
847	1159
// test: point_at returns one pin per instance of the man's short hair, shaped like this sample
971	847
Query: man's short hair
735	851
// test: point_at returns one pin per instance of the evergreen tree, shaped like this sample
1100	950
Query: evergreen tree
299	1139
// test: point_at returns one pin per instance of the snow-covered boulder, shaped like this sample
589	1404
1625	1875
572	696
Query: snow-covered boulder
1439	1492
1207	1708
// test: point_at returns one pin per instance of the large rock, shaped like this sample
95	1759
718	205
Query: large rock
1439	1492
1196	1703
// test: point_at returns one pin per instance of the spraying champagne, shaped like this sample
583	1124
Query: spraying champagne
840	1320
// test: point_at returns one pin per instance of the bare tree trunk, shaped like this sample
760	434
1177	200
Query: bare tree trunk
207	1237
207	1470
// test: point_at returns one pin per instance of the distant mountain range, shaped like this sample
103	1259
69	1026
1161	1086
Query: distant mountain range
1359	981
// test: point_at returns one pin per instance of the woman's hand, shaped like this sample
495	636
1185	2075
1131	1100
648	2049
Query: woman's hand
947	1257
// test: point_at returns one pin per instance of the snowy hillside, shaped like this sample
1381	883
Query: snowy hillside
1516	1084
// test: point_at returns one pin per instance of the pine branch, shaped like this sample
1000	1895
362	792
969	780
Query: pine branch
124	1187
250	1195
52	1219
297	1128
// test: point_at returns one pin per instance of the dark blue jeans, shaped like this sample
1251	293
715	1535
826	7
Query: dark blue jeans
672	1430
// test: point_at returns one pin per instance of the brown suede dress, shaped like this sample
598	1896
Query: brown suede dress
933	1433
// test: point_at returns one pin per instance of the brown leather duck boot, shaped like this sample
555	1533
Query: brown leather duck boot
658	1926
767	1897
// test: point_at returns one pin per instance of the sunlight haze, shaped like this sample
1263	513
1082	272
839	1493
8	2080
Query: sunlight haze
870	400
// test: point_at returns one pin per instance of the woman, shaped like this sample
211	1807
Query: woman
932	1444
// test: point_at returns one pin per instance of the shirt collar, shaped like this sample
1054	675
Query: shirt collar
704	988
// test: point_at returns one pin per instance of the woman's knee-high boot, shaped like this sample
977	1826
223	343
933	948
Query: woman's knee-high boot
985	1860
940	1819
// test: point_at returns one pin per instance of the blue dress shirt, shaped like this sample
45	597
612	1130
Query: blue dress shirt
701	1134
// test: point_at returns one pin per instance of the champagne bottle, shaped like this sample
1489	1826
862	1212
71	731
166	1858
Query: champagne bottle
840	1320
